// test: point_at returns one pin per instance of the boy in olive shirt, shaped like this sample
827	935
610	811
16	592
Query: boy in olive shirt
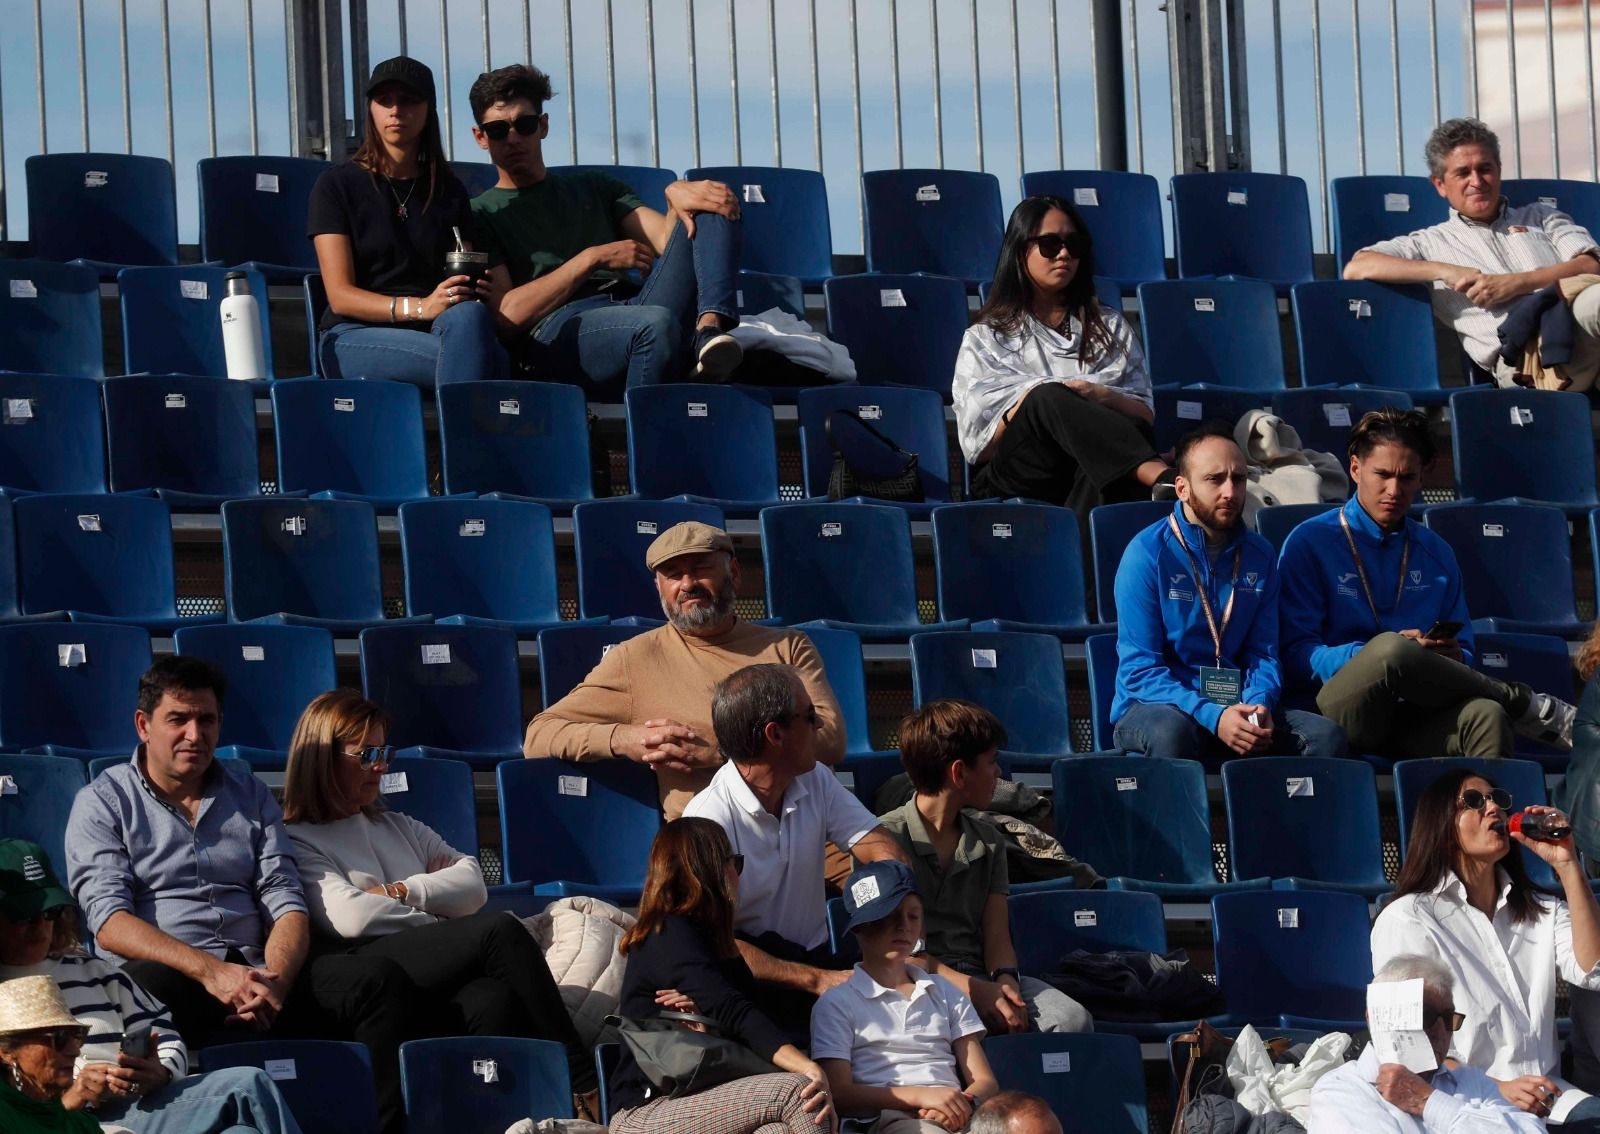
561	248
949	751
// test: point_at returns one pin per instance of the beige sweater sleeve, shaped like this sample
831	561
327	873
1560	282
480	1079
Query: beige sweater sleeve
830	721
579	726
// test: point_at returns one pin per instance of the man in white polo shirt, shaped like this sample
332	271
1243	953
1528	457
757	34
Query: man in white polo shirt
780	810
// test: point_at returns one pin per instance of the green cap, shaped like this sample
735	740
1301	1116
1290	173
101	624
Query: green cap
28	885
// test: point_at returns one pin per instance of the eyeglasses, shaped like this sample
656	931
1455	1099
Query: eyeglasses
1473	799
373	754
58	1038
810	715
737	862
500	129
1454	1019
1051	244
55	914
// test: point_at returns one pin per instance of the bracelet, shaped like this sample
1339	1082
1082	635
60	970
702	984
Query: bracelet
391	307
1010	972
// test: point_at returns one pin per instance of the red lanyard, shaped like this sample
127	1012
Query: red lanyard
1205	599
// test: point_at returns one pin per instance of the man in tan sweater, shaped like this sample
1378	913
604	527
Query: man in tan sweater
649	699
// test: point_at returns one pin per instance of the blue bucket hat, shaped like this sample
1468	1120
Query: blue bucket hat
876	890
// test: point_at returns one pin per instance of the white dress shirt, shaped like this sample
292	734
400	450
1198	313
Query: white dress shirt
890	1039
1464	1101
781	889
1505	973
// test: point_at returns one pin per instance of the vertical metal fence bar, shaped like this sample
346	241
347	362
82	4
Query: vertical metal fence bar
816	92
855	103
938	100
444	71
250	71
572	81
83	80
649	74
1511	63
211	82
1394	73
611	81
291	54
166	79
5	230
1277	84
733	80
1016	86
1361	123
38	74
772	69
1322	146
1433	59
1588	85
1550	90
127	90
1472	57
694	83
483	30
894	80
527	31
977	81
400	20
1055	86
1138	100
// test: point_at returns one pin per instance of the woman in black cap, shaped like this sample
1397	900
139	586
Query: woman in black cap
383	223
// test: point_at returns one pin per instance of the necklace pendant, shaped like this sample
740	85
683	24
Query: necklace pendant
402	214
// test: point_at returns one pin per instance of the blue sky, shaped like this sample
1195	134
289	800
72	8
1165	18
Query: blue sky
586	87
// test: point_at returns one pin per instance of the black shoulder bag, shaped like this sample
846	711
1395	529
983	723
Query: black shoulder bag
867	463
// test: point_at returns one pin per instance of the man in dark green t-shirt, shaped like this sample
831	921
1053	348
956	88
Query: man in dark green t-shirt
561	248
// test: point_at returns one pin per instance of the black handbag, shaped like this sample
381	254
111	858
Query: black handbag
867	463
679	1061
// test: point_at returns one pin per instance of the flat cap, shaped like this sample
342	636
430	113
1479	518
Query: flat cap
688	538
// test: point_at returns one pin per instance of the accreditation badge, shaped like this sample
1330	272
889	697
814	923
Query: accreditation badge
1220	686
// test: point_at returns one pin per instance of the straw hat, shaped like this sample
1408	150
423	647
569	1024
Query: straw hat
33	1002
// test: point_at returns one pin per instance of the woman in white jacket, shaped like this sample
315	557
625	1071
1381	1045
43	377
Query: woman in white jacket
381	884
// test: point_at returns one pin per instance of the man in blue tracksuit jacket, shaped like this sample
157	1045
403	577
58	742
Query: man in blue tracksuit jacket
1362	588
1197	625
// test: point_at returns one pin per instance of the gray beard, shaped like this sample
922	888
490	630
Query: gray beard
703	617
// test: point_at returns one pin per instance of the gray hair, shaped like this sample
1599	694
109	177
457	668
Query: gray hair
1458	132
1435	974
997	1111
746	701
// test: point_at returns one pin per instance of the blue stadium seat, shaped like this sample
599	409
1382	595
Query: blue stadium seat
307	562
1111	528
1521	445
1580	200
1047	924
101	558
1255	225
446	1085
330	1090
1274	523
706	444
944	221
452	688
1016	567
273	674
610	537
578	828
900	330
607	1056
1524	779
171	323
1516	566
784	217
1323	416
843	565
1100	655
648	182
476	176
528	439
53	432
1181	409
253	212
761	291
568	653
1280	810
50	319
1301	954
1020	678
1123	212
481	563
36	801
315	297
1542	662
1143	823
10	610
1361	333
436	791
1368	209
68	685
912	419
191	439
109	210
1216	331
351	439
840	651
1097	1081
869	772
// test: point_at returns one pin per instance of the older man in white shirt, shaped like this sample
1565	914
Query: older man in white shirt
1371	1097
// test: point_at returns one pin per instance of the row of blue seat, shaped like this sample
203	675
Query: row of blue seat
120	209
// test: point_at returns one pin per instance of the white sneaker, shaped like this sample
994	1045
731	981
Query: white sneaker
1548	720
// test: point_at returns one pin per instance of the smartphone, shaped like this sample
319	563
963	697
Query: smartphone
137	1042
1443	630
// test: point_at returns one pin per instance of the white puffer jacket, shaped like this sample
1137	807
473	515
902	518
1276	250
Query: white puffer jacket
579	937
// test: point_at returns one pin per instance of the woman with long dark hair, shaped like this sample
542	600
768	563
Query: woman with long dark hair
1051	396
681	954
1464	897
382	224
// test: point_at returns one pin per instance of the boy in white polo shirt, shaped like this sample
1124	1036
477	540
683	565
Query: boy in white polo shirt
897	1044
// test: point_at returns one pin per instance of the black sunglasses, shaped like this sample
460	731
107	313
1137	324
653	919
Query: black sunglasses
1473	799
810	715
500	129
1455	1019
1050	244
58	1038
373	754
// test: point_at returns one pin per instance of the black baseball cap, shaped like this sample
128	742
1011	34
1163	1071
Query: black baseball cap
407	72
28	884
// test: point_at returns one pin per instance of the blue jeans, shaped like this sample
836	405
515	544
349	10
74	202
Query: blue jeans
460	346
1583	1119
1166	730
230	1099
644	340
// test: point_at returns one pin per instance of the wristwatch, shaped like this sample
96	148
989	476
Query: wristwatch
1010	972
